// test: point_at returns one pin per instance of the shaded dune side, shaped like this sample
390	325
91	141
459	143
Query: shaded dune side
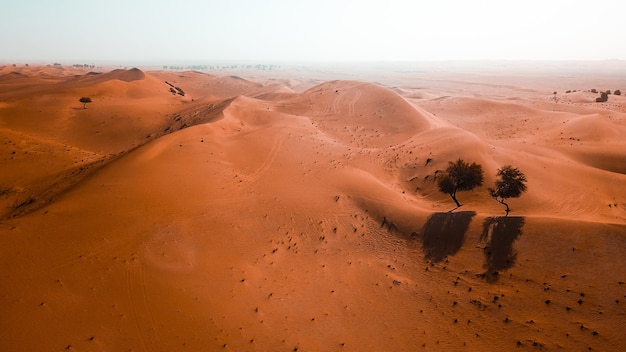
91	78
227	87
593	140
13	75
125	75
133	74
613	159
20	85
35	191
593	128
127	113
16	85
212	87
109	128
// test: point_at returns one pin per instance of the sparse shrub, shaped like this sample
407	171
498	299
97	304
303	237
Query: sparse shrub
460	176
595	91
511	183
568	91
85	101
603	97
617	92
608	92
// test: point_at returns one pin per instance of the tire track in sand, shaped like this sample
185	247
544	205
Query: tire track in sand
357	97
316	109
133	309
335	108
269	159
155	335
139	305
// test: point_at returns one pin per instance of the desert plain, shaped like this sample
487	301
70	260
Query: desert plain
297	209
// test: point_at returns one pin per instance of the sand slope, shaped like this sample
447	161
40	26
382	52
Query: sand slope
257	218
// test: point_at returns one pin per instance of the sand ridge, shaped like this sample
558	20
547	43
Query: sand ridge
304	215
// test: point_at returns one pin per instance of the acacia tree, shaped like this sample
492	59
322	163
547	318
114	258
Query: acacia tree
85	101
460	176
511	183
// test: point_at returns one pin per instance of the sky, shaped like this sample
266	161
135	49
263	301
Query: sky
196	31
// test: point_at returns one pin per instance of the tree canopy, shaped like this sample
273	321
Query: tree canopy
511	183
85	101
460	176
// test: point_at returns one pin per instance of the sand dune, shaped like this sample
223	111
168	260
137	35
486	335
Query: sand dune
255	215
594	128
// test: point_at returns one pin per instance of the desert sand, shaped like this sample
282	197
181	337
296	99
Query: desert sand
298	210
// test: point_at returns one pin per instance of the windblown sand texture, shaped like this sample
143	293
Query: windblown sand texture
302	213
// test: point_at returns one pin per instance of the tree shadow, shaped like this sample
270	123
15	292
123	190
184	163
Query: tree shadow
501	232
443	234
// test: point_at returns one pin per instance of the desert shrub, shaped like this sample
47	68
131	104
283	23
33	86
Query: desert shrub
617	92
595	91
603	97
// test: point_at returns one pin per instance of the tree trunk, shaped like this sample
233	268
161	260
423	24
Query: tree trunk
453	195
501	201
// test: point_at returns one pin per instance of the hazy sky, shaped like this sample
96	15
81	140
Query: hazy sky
310	30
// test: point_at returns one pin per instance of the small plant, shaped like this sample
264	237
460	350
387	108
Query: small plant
617	92
603	97
511	183
85	101
460	176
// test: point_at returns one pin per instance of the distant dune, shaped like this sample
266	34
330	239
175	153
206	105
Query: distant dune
293	213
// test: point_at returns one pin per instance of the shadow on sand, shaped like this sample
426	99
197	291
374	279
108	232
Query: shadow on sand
500	232
444	234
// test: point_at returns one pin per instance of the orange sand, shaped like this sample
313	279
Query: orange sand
297	212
